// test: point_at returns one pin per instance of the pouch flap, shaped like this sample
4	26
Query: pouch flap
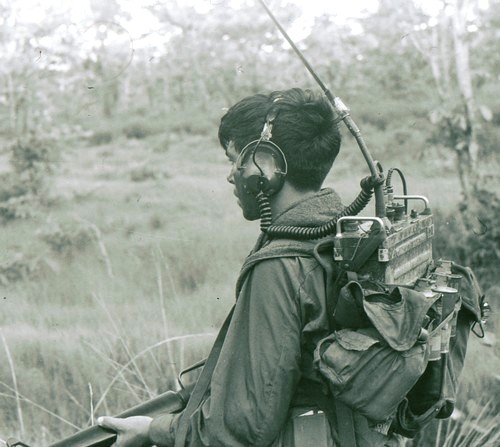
354	341
397	316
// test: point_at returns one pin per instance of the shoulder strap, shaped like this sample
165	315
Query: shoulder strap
276	248
202	384
345	425
344	417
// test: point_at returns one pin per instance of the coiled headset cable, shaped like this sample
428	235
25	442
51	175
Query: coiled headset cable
368	185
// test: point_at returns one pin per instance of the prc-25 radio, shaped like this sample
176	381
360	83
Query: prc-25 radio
398	246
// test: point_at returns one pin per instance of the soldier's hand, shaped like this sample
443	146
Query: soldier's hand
131	432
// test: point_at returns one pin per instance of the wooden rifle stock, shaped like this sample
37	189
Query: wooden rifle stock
95	436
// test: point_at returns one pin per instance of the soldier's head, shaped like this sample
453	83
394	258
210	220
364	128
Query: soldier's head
304	143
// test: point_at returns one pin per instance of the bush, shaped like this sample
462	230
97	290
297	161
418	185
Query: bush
67	238
140	128
161	144
143	173
449	237
479	247
17	207
16	266
137	130
24	188
100	137
484	240
34	153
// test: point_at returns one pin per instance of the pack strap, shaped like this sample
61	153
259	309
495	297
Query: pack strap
345	425
202	384
345	429
276	248
344	417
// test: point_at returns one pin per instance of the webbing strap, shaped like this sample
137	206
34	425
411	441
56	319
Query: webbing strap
345	419
345	425
202	384
362	255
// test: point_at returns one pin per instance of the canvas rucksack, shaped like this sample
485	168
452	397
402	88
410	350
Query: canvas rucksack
396	352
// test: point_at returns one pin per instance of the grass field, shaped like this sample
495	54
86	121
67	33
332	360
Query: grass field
127	274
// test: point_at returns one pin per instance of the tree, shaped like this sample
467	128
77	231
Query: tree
231	51
110	52
444	40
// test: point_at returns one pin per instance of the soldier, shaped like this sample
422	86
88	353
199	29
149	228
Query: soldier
264	389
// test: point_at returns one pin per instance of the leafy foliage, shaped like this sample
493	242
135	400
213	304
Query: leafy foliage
26	186
484	241
481	246
101	137
16	266
66	238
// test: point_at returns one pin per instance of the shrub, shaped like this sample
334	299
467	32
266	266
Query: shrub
25	187
479	247
100	137
16	266
161	144
142	173
483	242
34	153
67	238
449	237
156	222
140	128
17	207
136	130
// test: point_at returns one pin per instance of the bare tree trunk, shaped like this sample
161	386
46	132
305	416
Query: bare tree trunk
12	103
447	51
464	80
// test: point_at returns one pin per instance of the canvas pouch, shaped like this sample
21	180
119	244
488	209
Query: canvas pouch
366	374
372	368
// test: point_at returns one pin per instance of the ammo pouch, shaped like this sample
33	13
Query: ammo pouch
433	396
380	352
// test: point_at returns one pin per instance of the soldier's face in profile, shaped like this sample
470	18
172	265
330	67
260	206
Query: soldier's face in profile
246	200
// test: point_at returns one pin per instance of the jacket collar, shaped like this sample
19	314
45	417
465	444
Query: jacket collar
312	210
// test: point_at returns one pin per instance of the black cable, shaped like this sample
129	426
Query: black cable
266	216
308	233
403	182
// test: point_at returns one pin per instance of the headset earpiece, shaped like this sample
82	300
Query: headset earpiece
261	163
262	167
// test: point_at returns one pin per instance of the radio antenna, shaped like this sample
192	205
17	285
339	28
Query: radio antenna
343	112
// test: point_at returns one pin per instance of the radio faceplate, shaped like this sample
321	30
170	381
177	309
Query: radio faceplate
402	257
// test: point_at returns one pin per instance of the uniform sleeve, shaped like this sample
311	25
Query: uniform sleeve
258	368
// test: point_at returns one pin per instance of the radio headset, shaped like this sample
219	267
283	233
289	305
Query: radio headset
262	164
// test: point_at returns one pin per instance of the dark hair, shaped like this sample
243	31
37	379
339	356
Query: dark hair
304	129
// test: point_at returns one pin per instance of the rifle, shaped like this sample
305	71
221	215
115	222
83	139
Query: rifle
95	436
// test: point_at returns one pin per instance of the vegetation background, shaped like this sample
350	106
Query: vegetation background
121	240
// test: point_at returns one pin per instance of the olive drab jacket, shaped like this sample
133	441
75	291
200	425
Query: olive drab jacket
264	383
